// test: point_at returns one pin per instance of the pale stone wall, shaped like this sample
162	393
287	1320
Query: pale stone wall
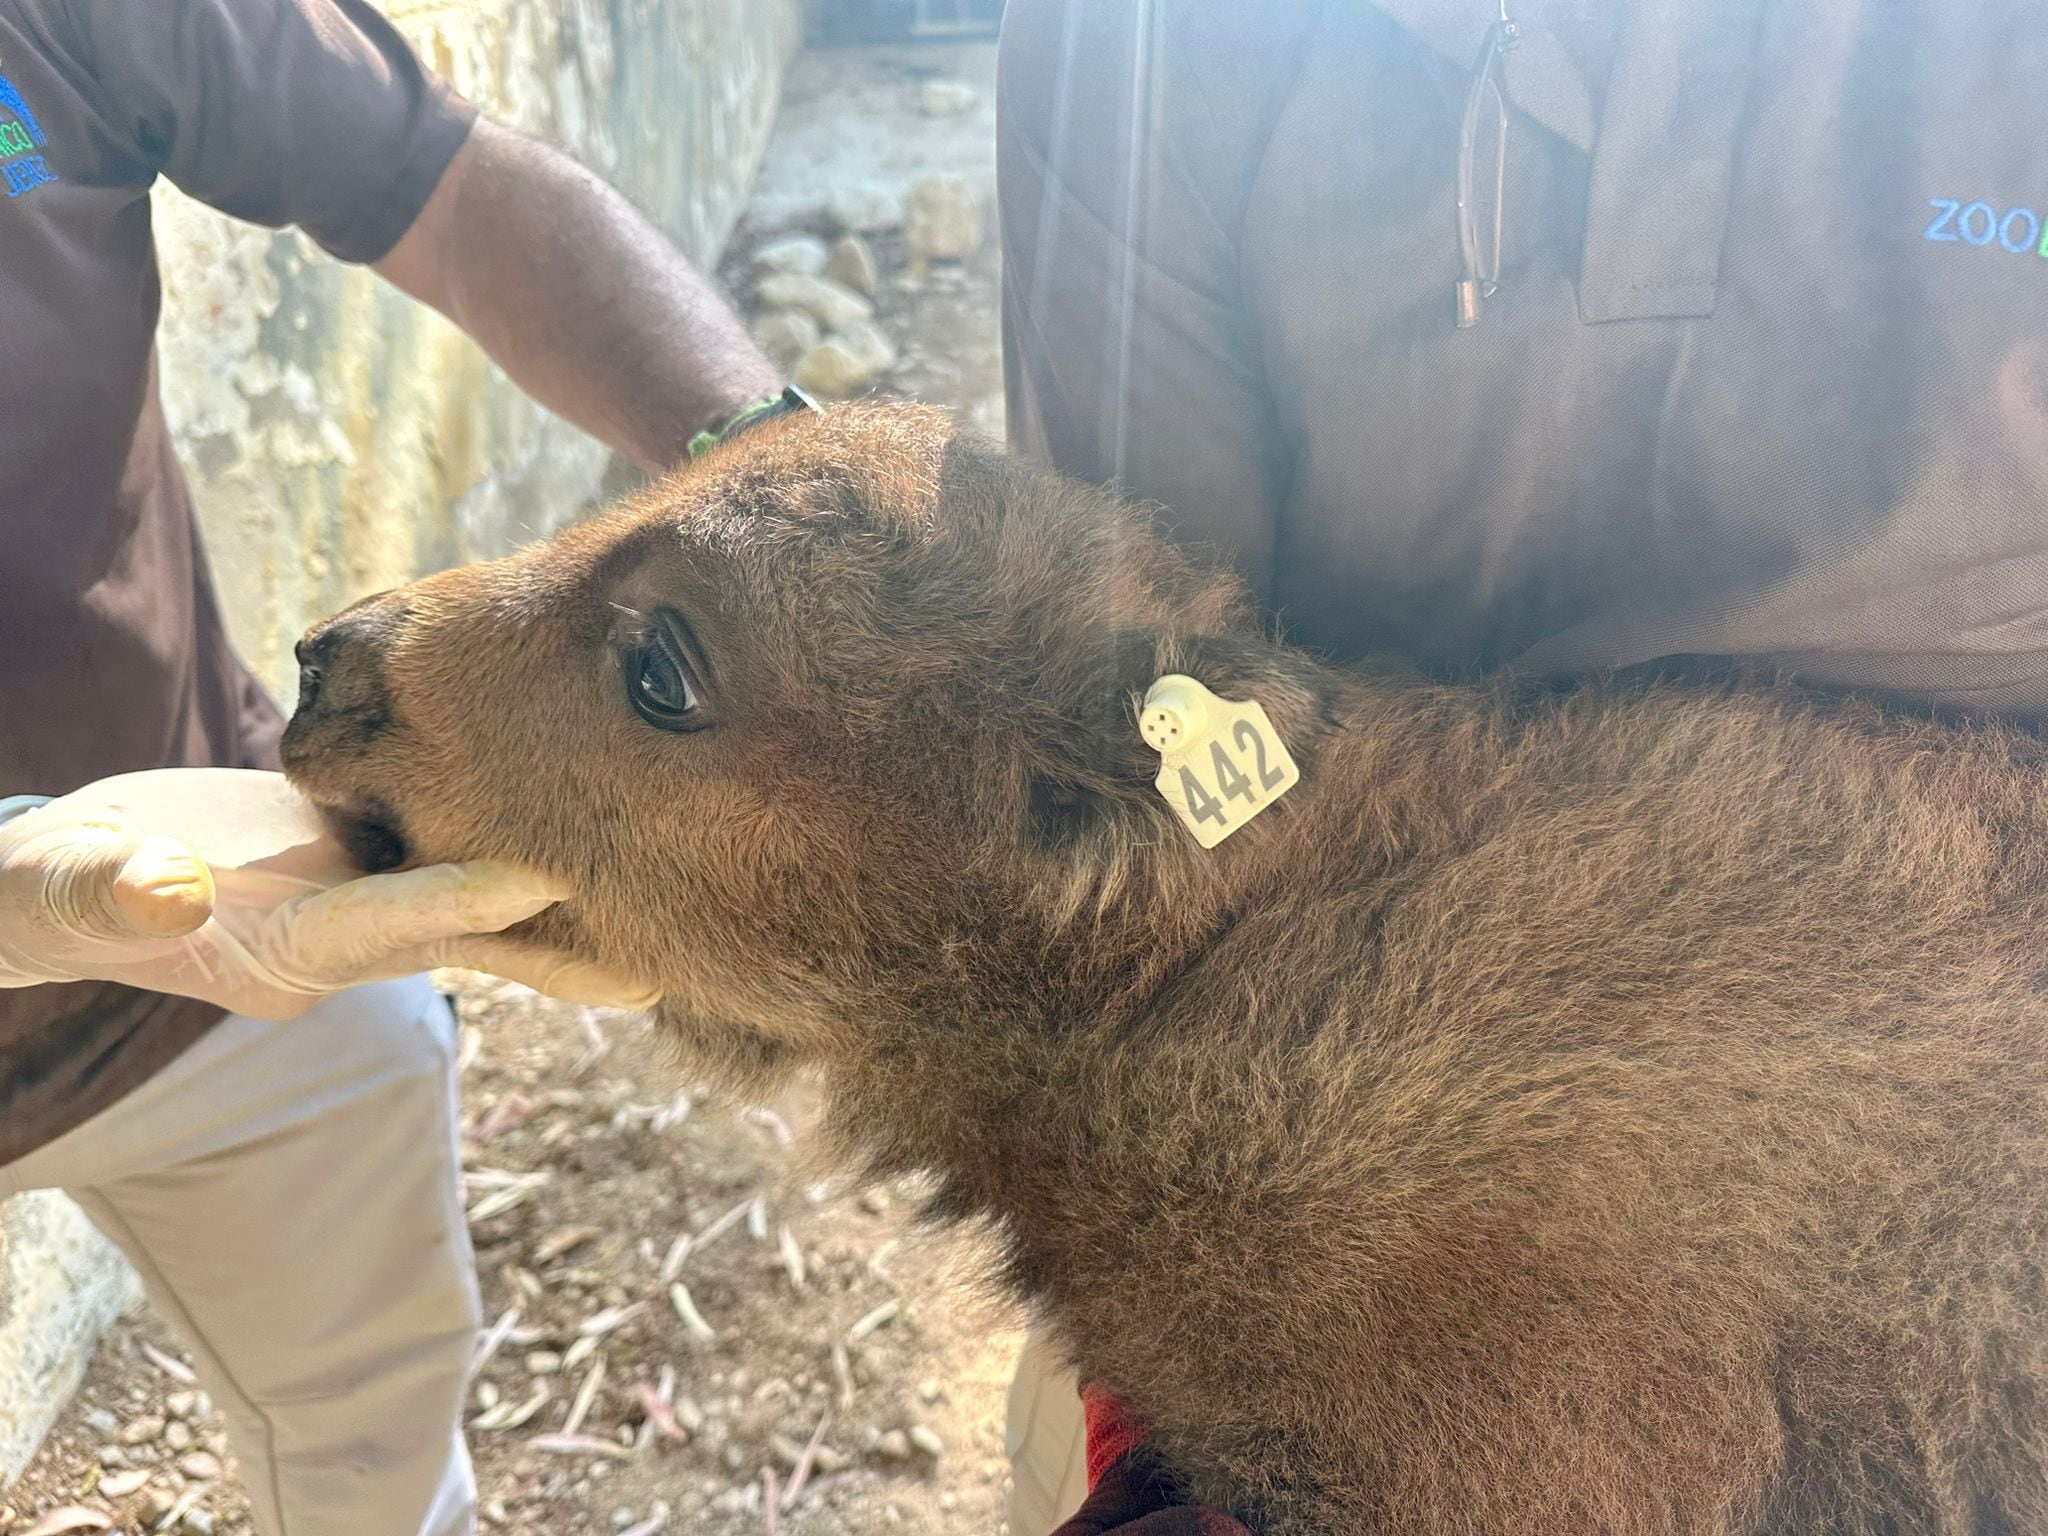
341	439
61	1283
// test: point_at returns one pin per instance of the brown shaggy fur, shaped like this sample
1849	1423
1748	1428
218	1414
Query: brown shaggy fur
1600	1112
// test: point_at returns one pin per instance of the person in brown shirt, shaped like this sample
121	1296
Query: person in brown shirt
289	1193
1575	337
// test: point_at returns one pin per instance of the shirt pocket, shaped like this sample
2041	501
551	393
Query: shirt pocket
1664	161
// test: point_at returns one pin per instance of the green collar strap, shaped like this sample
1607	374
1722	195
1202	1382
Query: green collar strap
788	403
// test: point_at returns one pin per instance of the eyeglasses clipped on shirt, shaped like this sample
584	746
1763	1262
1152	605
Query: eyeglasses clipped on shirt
1479	269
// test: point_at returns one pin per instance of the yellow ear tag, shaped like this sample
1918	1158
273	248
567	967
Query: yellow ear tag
1221	762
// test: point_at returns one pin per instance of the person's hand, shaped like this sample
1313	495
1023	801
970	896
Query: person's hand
1129	1492
222	884
1133	1498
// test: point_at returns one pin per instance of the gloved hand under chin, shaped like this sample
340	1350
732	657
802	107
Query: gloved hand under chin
222	884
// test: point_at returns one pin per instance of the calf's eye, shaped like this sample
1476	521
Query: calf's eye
660	686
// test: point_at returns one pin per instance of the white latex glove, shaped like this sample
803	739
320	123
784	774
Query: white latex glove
222	884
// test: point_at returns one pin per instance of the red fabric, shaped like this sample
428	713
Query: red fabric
1114	1430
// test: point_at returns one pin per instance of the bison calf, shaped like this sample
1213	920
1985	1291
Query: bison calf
1595	1112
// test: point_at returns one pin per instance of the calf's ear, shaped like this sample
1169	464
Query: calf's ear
1086	761
1090	765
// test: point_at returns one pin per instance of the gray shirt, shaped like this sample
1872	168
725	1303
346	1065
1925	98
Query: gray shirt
113	656
1766	376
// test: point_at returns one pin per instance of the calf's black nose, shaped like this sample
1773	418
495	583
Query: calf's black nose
341	666
312	667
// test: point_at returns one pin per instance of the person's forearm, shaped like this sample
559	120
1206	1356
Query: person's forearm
588	306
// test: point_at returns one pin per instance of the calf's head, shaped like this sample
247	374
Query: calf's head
815	730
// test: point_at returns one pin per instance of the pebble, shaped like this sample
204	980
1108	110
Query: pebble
157	1503
142	1431
874	1201
947	98
786	335
200	1466
101	1422
188	1405
930	1390
543	1362
112	1456
118	1485
925	1440
561	1241
178	1435
943	221
794	253
893	1445
853	263
865	208
831	304
197	1522
846	362
823	1460
740	1500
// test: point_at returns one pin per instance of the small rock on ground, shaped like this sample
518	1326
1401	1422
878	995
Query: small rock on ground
943	220
829	303
846	362
865	208
786	335
795	253
946	98
852	263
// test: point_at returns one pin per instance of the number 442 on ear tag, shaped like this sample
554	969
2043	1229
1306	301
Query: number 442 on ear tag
1221	762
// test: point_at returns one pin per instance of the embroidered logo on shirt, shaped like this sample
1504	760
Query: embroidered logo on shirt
20	166
2018	230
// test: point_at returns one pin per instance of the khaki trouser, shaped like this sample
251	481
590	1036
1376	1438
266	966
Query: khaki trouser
291	1196
1047	1442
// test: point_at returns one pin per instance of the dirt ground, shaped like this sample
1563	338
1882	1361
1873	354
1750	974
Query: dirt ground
599	1182
688	1330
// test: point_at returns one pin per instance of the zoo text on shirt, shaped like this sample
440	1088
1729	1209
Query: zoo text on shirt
1978	223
